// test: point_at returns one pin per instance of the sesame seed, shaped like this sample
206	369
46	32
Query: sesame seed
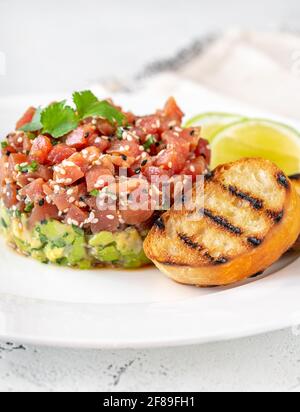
68	163
110	217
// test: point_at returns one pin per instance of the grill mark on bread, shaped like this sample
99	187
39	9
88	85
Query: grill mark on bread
275	216
160	224
222	260
209	176
189	242
282	180
196	246
221	221
254	241
256	203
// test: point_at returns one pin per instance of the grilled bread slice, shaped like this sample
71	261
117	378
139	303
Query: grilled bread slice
248	220
296	182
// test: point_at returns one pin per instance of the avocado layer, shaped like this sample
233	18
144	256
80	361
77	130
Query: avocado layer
54	242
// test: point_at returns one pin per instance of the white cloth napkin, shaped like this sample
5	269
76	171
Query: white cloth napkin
260	69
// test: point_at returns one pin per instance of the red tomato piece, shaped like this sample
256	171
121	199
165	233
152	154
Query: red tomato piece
26	118
59	153
99	142
140	165
125	148
76	215
106	220
80	161
105	128
91	154
19	141
192	136
175	140
67	173
203	149
172	110
6	151
136	217
154	171
42	213
40	149
138	207
42	172
34	191
61	201
79	138
98	177
170	159
10	195
195	167
149	124
16	159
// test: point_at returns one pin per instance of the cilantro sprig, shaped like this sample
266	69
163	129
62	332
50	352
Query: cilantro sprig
88	105
58	119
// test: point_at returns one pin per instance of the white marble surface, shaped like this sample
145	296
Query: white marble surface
264	363
66	44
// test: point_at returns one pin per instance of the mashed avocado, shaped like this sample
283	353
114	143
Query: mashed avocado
54	242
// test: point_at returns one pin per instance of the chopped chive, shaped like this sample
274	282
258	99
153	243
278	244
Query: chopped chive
94	193
29	207
149	142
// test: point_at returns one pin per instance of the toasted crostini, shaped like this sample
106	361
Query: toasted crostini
249	219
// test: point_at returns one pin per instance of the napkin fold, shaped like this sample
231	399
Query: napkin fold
261	69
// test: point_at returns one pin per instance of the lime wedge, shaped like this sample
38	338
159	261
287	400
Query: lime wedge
258	138
212	123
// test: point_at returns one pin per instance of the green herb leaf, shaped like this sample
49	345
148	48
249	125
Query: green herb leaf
94	193
84	101
4	145
106	111
58	119
35	124
28	168
88	105
149	142
29	207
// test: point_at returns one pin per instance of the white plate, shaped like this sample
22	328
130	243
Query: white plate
116	309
